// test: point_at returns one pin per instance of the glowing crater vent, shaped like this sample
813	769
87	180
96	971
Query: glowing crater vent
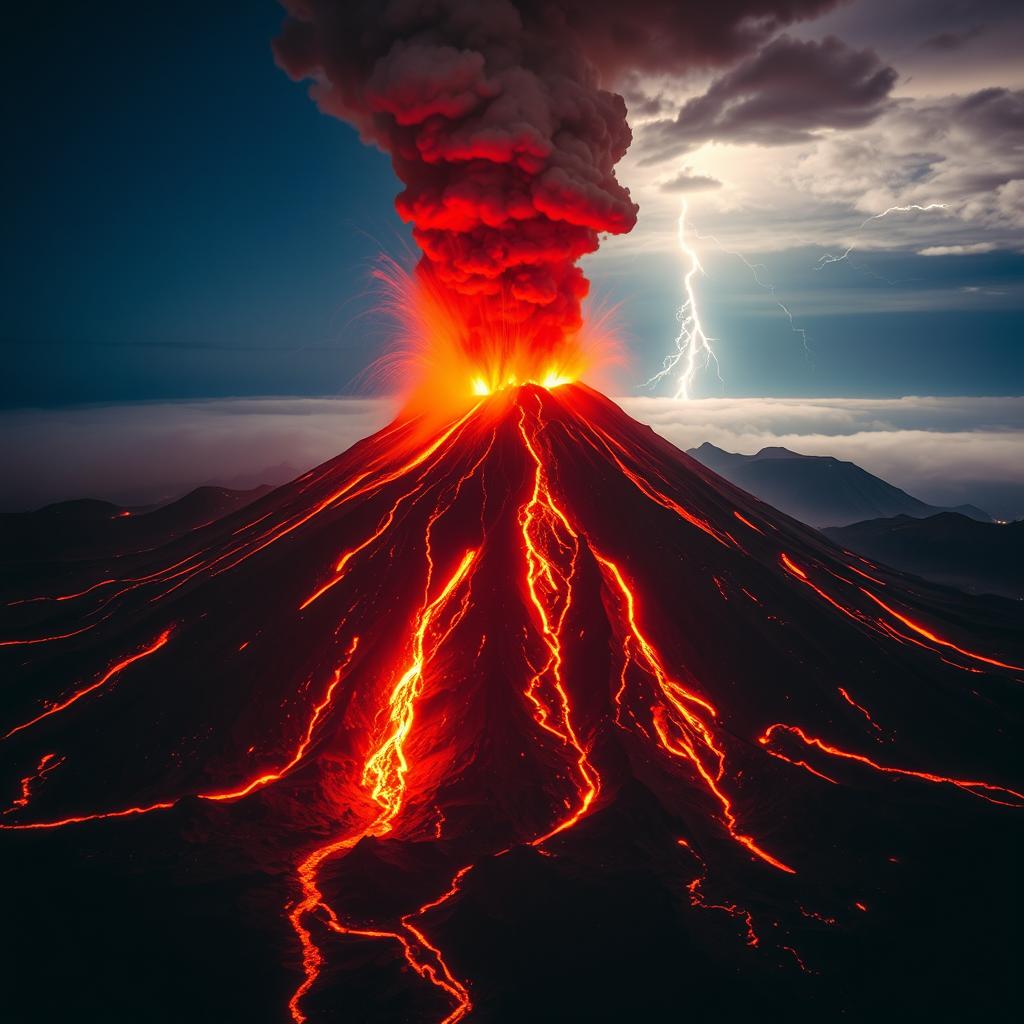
482	385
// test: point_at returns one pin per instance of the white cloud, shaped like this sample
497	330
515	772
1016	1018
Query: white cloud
957	250
961	150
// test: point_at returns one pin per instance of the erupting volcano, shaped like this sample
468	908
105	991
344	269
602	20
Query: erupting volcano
441	679
511	712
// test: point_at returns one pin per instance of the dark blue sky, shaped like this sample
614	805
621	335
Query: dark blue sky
183	222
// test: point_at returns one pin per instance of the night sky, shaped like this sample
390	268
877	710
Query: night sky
185	223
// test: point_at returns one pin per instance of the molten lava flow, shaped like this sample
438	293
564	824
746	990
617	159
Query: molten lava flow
880	625
46	764
697	898
935	639
982	790
300	751
551	548
384	774
385	770
863	710
84	691
680	729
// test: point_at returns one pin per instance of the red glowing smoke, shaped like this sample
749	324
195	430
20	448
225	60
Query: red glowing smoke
497	124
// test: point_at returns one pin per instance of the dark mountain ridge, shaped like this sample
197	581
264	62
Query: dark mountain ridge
948	548
817	489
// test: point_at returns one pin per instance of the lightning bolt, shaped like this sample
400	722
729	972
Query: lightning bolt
755	272
828	258
692	344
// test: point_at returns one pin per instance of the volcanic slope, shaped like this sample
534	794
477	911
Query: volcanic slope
528	716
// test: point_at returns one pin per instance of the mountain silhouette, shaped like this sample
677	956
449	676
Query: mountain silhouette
818	489
948	548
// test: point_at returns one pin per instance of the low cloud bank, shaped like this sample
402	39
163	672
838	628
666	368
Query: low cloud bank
943	450
946	451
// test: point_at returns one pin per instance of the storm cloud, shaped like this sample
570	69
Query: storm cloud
782	95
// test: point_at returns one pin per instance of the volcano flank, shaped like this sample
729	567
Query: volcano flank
526	716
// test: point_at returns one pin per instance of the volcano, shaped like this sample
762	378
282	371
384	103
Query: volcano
524	716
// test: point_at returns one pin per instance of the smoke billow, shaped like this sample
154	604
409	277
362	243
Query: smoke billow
496	121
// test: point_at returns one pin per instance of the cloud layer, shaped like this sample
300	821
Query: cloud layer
943	450
784	94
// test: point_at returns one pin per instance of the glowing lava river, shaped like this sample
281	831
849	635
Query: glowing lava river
527	716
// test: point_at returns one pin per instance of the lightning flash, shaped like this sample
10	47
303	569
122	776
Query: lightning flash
693	349
828	258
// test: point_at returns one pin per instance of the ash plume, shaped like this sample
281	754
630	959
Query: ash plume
499	125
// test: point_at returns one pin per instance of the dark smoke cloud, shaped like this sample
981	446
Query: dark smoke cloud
781	95
498	124
686	181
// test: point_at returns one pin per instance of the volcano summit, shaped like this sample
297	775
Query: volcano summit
523	716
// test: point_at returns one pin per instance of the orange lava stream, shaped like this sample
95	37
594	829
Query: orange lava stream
107	582
128	812
864	711
609	443
385	770
693	739
860	572
252	786
111	672
48	639
384	773
697	899
881	625
300	751
794	570
414	492
548	537
975	788
44	767
935	639
746	522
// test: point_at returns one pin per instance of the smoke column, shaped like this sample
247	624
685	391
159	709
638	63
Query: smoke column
497	124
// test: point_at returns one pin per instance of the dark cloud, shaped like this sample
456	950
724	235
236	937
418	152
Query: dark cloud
783	94
952	40
675	35
964	151
994	114
687	181
640	103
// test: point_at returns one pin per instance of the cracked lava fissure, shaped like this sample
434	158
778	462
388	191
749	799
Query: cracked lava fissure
493	587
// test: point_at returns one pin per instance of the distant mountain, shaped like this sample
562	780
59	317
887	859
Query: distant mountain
93	529
818	489
947	548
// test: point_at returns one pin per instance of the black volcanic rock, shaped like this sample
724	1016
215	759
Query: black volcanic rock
948	548
817	489
528	711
